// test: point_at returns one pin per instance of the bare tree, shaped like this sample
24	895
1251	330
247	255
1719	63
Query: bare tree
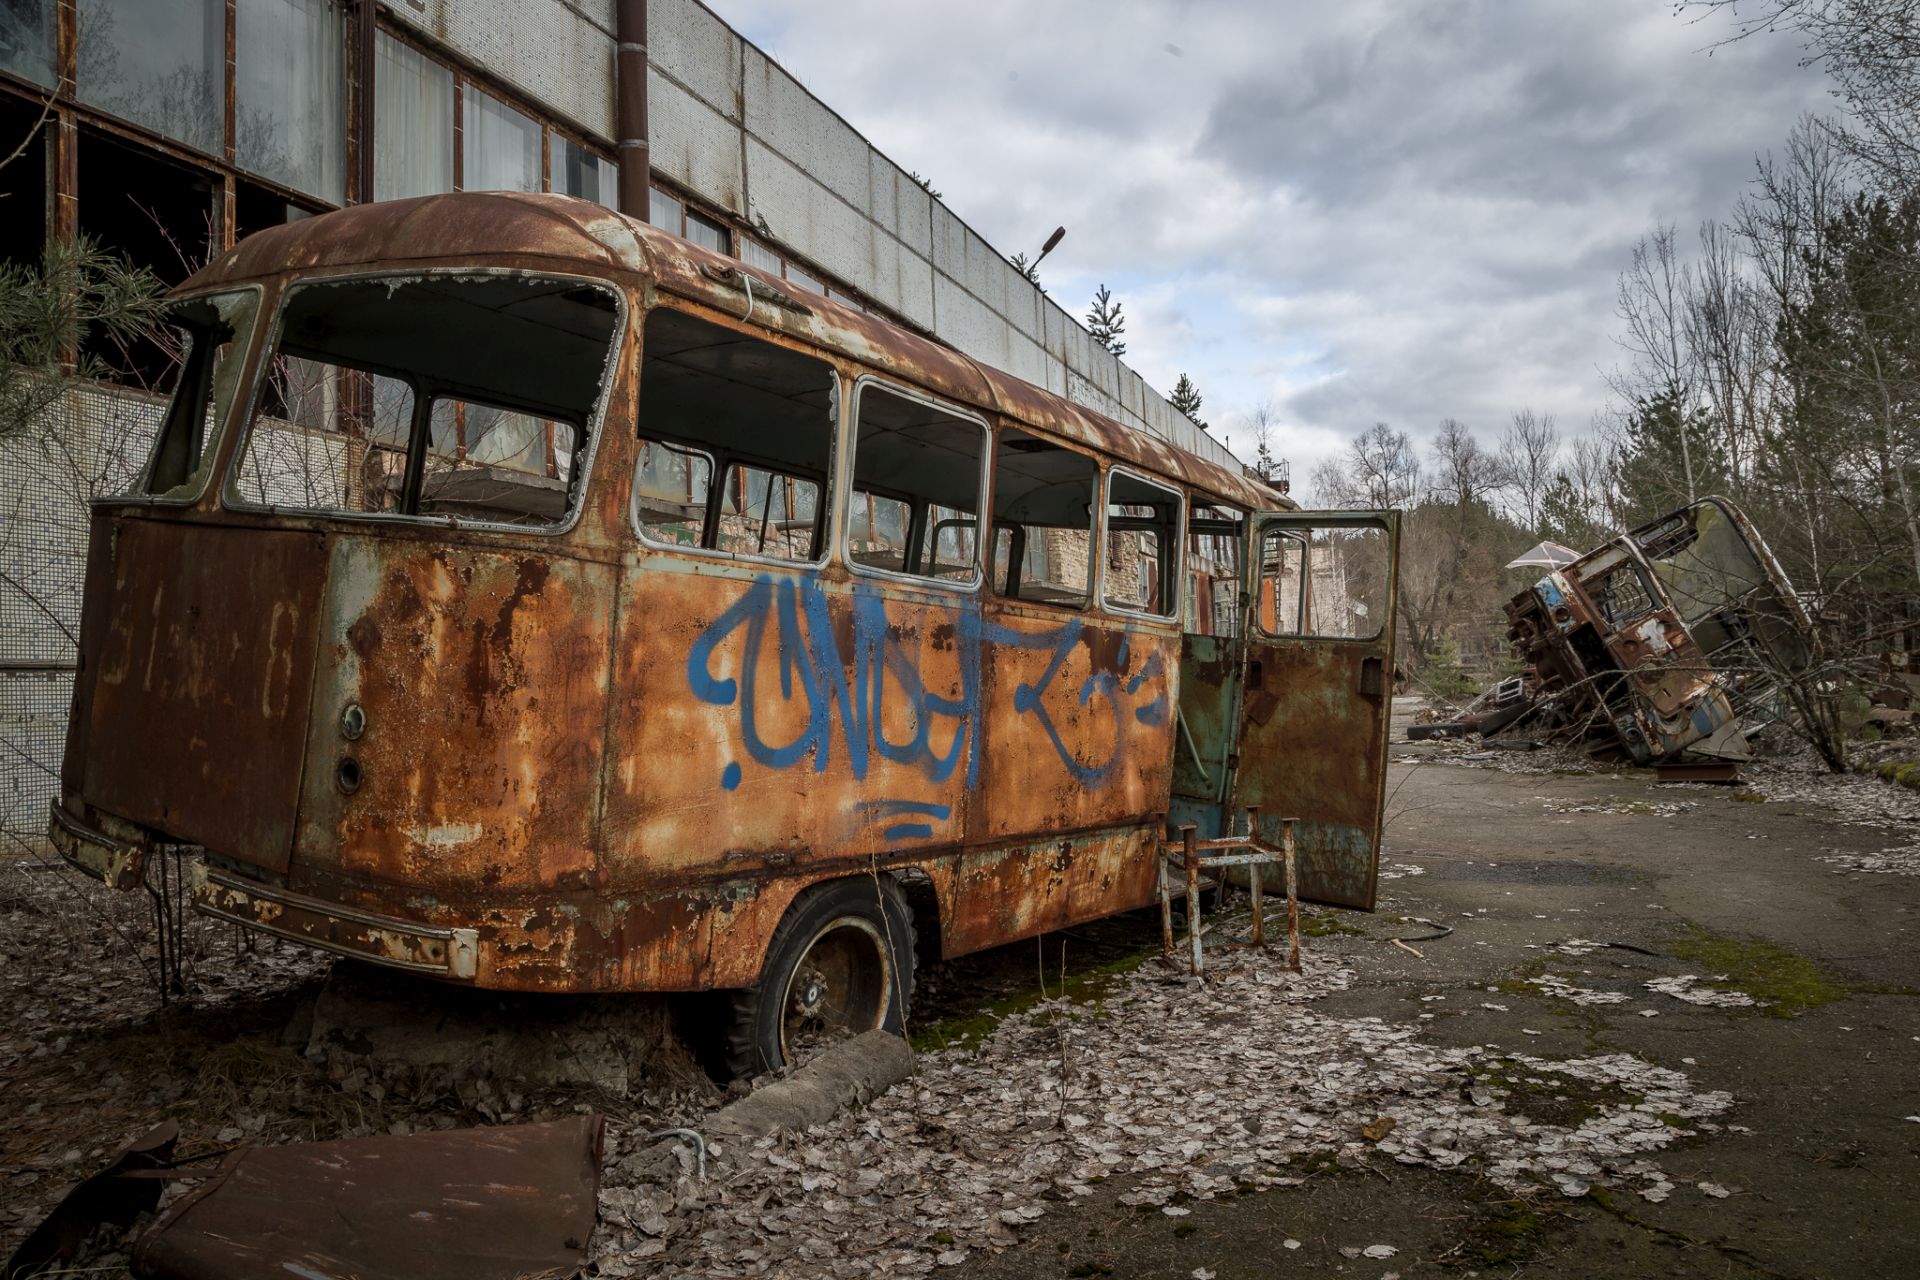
1379	471
1260	423
1653	304
1529	457
1871	49
1729	332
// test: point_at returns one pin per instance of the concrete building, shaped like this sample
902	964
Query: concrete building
167	129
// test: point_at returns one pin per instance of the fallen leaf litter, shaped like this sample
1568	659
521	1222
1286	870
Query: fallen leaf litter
1183	1091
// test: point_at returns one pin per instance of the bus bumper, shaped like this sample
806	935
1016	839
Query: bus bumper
119	864
382	940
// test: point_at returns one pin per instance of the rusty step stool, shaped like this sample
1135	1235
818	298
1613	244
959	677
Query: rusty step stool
1184	862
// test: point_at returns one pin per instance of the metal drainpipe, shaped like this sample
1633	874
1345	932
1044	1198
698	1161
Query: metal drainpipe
364	40
630	108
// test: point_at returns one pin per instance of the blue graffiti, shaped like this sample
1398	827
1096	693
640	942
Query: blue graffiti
844	694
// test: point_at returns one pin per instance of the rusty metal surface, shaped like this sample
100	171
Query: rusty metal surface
613	767
1314	737
1641	676
1247	855
768	720
507	229
465	1204
108	1196
199	682
398	944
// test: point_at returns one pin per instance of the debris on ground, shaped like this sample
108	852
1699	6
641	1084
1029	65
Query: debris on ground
1183	1090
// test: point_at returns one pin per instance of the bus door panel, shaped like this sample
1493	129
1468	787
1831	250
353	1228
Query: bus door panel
1204	730
1317	696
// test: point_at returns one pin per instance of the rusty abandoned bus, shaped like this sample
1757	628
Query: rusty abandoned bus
520	595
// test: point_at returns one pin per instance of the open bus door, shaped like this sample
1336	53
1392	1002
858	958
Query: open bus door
1317	692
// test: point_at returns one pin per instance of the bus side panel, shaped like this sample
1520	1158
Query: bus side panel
1079	725
775	726
769	719
481	677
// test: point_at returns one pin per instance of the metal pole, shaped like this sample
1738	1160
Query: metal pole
1192	859
1256	872
630	109
1293	897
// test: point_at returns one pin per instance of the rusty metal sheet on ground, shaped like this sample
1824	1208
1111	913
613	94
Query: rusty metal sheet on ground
467	1204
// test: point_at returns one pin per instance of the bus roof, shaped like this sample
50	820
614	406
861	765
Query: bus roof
563	233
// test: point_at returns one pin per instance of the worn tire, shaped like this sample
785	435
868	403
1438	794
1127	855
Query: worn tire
859	912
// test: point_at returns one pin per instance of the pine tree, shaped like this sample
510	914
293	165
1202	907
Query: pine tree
1186	398
1029	270
1106	322
48	309
1666	439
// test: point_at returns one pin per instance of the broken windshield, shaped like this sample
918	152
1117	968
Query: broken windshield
464	397
206	337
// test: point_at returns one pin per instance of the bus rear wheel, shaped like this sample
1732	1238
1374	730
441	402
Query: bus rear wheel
840	963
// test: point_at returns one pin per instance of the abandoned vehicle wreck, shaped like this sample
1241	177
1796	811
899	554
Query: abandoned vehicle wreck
1682	635
523	596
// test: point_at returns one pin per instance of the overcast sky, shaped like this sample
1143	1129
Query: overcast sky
1363	211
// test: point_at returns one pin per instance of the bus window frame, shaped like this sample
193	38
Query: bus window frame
137	495
1341	520
723	462
584	460
1175	585
844	510
1018	531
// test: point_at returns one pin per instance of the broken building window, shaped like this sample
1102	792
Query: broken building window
161	64
208	331
1143	545
413	122
158	213
1329	582
1043	510
23	184
501	147
432	395
290	94
917	471
717	403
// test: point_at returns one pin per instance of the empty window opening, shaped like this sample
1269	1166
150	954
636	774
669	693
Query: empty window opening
916	480
1621	596
1214	535
158	214
1143	545
1044	499
23	183
461	398
256	208
736	442
208	332
1323	581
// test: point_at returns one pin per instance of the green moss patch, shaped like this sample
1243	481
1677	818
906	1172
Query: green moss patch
1789	984
1087	987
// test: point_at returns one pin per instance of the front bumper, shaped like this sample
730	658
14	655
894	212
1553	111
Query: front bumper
120	864
382	940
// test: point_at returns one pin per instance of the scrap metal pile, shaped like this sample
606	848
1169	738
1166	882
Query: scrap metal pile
1680	636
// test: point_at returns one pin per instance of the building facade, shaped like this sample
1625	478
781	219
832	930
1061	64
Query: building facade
168	129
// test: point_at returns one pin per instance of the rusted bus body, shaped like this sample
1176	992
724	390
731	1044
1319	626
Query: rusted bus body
570	758
1673	635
